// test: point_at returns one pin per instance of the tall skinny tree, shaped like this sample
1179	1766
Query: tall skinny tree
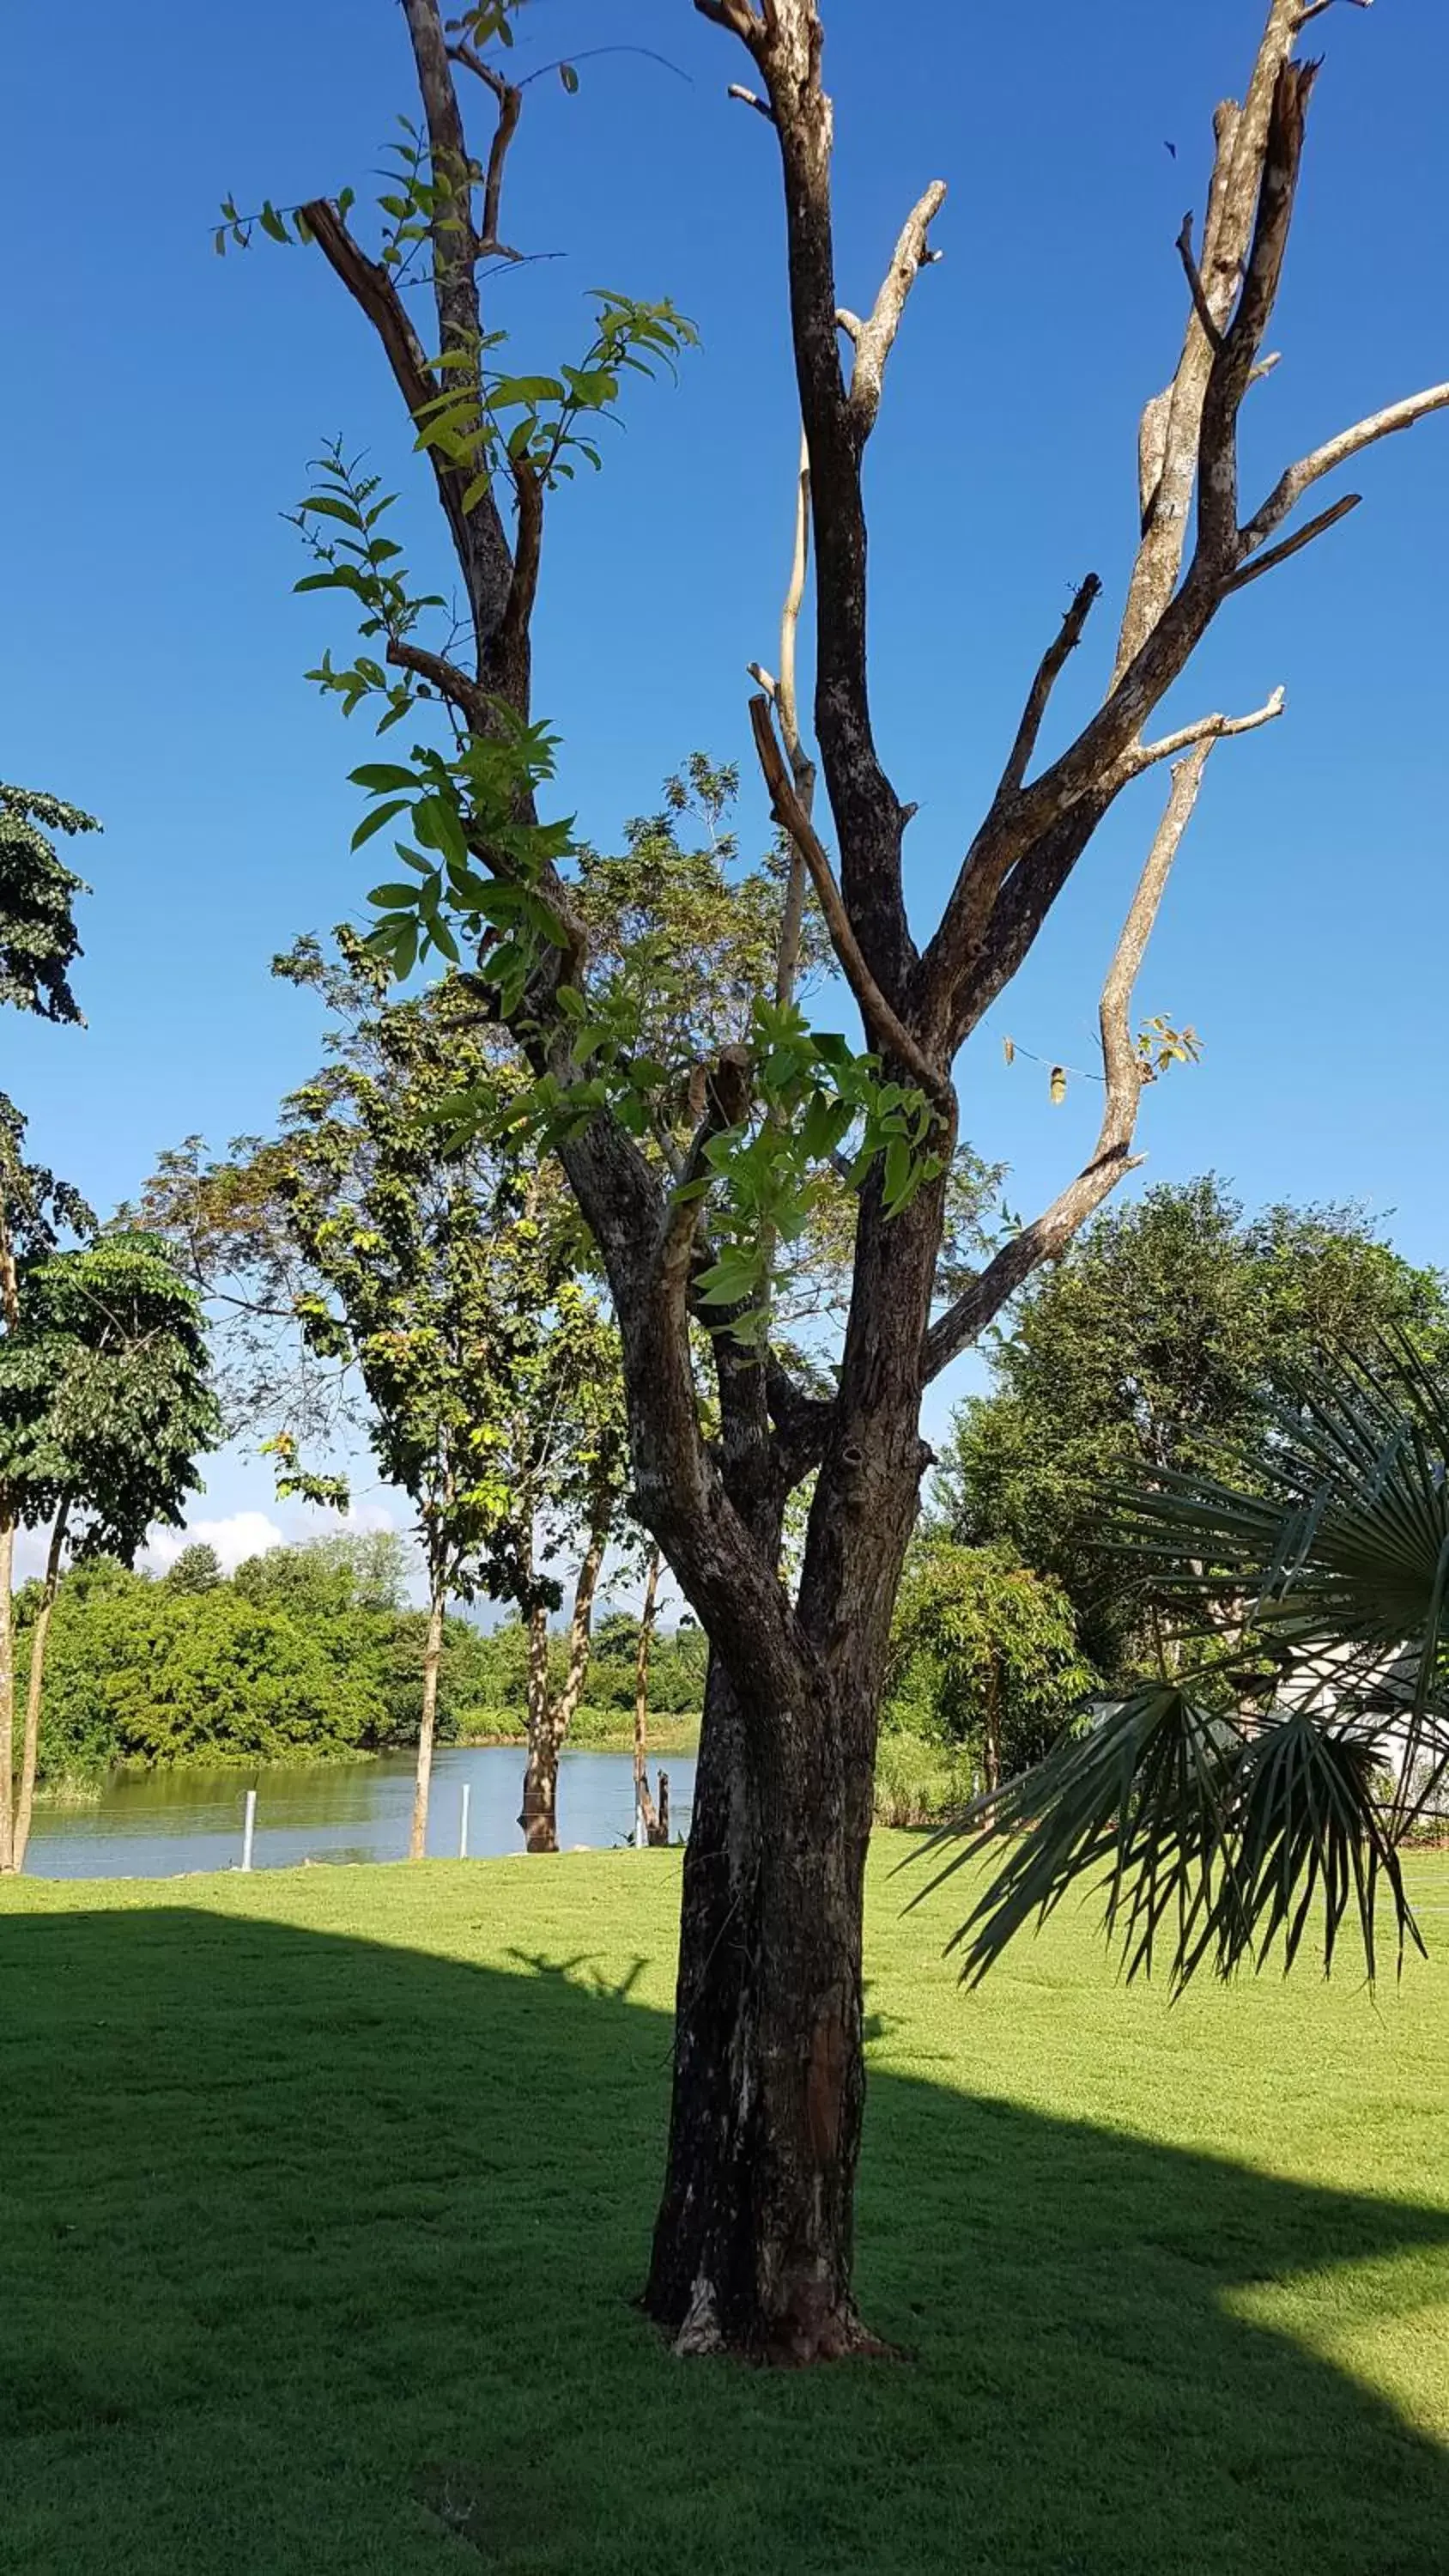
39	943
753	2246
105	1408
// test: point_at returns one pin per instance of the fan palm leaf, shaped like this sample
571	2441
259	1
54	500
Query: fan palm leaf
1217	1835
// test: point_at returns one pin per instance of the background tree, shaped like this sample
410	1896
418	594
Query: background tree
398	1247
104	1411
39	943
753	2244
989	1650
1151	1346
197	1569
1259	1795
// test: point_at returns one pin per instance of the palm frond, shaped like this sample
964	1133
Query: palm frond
1135	1805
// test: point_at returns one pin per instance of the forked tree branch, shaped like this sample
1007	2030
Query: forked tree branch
1288	491
1171	422
510	108
1295	544
959	963
1145	755
726	1104
1048	1235
784	39
883	1024
484	553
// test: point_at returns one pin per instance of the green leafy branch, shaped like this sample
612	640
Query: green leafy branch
491	418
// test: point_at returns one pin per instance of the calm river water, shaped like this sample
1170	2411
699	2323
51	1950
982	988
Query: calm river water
158	1824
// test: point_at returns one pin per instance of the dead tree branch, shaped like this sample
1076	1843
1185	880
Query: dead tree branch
1145	755
802	767
1063	644
1294	545
1049	1234
1204	310
883	1024
875	338
1288	491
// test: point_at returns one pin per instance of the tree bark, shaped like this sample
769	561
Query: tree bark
754	2239
427	1727
643	1803
35	1687
753	2245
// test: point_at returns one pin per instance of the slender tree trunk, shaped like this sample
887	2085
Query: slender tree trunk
427	1727
754	2239
991	1745
35	1686
643	1803
549	1719
540	1779
7	1694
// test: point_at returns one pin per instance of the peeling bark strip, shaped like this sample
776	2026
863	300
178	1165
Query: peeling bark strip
752	2250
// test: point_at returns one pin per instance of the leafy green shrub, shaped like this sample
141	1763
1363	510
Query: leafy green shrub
918	1780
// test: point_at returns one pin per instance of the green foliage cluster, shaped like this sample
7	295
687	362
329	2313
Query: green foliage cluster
38	939
1151	1348
306	1653
104	1400
986	1674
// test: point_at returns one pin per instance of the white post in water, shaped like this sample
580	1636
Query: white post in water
249	1828
641	1831
463	1822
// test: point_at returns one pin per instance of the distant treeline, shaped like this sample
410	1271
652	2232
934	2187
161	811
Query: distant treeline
303	1654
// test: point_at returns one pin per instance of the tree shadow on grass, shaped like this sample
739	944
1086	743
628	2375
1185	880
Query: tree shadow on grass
316	2255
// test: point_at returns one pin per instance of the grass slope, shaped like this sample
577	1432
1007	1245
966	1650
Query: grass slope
324	2194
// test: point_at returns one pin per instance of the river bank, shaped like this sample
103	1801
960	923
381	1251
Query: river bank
171	1823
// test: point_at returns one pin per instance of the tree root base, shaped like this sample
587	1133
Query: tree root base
796	2343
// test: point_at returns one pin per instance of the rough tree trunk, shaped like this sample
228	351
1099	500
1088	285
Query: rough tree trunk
754	2241
643	1803
427	1729
35	1687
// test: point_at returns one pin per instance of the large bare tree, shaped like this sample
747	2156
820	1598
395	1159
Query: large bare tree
753	2244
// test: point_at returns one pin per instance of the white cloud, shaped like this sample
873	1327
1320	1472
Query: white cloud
241	1535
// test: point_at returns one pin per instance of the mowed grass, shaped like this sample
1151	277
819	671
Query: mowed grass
324	2193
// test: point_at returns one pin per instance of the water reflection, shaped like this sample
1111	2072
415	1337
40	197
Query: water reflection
159	1824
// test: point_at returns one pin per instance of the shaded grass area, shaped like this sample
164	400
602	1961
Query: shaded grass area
325	2192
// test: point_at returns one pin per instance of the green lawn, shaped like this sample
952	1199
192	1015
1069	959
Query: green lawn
325	2193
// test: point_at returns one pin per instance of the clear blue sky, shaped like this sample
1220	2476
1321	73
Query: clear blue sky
163	403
